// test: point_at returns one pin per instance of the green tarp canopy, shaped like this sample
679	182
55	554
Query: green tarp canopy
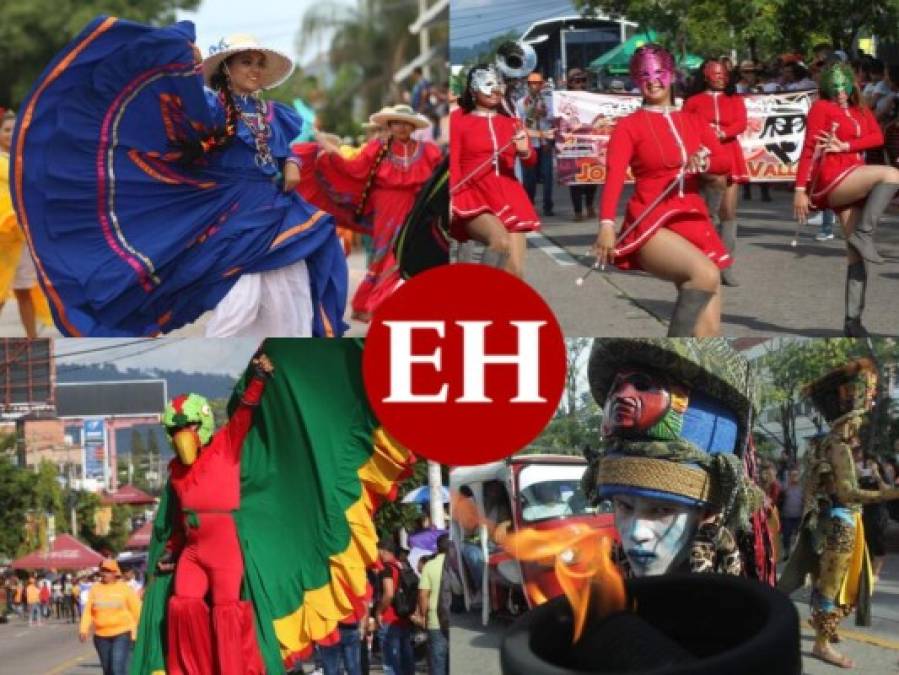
616	60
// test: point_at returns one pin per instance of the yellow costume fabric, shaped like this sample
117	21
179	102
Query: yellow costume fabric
12	245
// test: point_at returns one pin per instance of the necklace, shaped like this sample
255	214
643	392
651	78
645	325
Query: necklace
405	160
258	125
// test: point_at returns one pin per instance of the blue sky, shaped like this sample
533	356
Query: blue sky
474	21
274	22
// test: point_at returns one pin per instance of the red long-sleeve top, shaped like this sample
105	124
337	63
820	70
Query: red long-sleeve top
727	114
853	124
656	145
482	177
474	138
212	482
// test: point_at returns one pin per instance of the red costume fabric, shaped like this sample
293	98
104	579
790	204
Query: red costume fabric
333	182
656	145
209	557
855	125
474	139
727	114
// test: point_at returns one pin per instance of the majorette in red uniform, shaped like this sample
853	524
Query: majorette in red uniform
658	142
726	113
853	124
838	130
205	477
482	165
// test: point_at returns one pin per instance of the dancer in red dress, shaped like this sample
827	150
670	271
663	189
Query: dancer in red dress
718	104
832	174
382	182
666	229
489	205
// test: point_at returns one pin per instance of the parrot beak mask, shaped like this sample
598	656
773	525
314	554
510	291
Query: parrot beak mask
187	445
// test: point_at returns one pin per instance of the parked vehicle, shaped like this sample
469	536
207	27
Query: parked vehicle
527	491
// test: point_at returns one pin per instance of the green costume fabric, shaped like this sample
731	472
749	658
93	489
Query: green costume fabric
312	433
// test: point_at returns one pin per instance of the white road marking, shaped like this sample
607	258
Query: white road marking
562	257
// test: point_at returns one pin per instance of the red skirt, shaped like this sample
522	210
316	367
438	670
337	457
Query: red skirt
738	172
830	172
687	216
503	196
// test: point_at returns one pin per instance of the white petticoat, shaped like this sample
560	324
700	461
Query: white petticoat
26	275
277	303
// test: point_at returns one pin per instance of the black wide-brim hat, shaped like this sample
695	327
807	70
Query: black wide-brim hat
841	391
698	624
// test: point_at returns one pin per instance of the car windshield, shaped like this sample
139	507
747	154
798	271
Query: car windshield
556	498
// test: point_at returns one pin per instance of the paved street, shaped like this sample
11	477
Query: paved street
10	326
784	290
51	649
874	649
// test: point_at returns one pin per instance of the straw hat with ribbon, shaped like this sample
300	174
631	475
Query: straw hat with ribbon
399	113
278	66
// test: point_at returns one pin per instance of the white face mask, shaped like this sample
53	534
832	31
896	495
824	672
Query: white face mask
654	533
485	82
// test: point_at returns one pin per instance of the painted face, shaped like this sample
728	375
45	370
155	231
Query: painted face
715	75
6	134
654	533
836	80
652	66
486	82
245	70
645	405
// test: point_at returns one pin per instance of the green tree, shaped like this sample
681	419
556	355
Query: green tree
759	28
33	31
789	365
369	43
15	497
391	516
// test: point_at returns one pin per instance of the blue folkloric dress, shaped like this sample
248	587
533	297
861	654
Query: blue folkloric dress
127	240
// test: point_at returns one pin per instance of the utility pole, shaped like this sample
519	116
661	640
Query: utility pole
424	39
435	490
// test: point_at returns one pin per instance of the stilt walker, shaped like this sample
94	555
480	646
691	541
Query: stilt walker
302	459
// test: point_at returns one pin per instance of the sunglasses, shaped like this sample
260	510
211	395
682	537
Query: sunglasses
578	79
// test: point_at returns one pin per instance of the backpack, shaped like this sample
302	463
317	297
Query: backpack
445	600
405	597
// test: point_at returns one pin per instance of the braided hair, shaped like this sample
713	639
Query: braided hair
382	153
221	138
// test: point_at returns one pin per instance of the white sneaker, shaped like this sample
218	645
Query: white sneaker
824	236
817	219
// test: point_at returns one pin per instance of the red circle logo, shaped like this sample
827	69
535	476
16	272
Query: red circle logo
465	364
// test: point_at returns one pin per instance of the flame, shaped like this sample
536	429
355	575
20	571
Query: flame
582	561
